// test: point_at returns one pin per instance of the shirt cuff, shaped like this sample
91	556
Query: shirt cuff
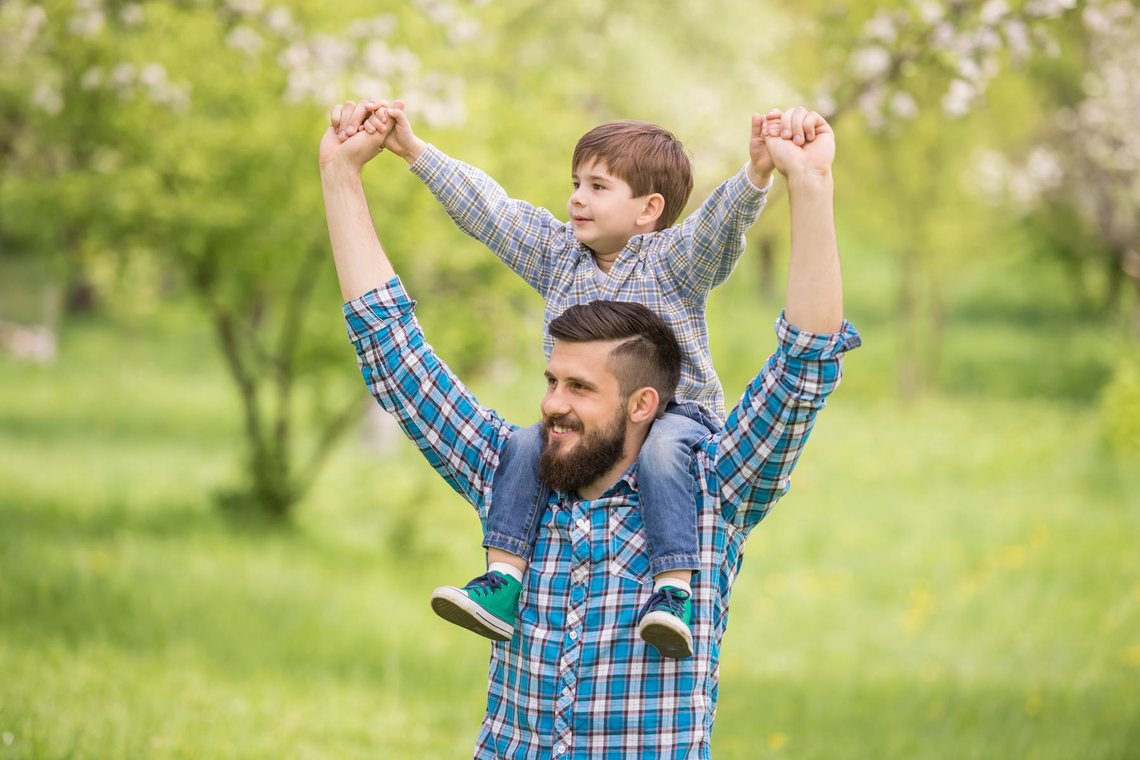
762	190
369	313
427	163
801	344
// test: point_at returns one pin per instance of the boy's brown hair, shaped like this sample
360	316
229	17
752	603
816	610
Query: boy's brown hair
647	157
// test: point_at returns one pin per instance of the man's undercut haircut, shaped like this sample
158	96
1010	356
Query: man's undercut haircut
649	158
648	354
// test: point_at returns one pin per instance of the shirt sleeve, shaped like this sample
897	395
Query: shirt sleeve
767	429
526	238
704	249
460	438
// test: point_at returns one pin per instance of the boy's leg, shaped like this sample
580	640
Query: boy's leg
668	514
487	604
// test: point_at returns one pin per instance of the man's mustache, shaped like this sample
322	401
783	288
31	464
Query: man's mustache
570	422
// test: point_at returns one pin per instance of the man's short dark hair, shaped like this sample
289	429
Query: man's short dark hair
648	355
649	158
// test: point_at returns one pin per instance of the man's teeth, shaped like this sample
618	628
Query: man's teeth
561	429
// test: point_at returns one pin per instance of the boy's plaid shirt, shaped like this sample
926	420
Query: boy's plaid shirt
671	271
577	681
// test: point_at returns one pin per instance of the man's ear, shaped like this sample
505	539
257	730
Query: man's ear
642	405
652	210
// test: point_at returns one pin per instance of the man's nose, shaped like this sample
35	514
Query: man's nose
554	404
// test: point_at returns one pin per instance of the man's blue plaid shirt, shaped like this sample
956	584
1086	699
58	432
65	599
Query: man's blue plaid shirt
670	271
577	681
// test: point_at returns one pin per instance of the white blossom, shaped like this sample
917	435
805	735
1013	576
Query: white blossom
280	21
378	26
958	98
988	172
152	75
244	7
992	11
464	31
34	19
1016	38
929	11
870	105
903	105
92	78
943	36
132	14
123	75
870	62
87	23
245	40
438	11
47	97
881	27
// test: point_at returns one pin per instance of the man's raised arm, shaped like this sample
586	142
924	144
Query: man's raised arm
815	289
361	263
460	438
767	430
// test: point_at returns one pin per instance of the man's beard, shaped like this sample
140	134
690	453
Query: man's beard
589	460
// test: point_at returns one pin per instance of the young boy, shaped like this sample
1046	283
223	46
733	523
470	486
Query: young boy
631	181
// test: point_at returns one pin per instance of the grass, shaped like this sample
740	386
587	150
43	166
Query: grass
953	578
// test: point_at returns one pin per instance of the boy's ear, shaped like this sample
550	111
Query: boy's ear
642	405
652	210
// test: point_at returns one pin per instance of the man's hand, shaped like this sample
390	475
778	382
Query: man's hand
345	142
760	164
393	119
800	143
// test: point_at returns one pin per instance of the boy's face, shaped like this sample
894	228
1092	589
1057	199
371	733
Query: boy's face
603	211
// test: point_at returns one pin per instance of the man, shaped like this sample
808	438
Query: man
576	680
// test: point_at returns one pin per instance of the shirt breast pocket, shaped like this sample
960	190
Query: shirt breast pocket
625	538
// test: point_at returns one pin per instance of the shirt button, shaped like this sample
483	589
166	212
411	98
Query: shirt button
573	635
560	749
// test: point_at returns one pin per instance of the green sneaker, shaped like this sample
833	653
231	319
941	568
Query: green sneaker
665	623
486	605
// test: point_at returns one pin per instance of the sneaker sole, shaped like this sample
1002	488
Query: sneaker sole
662	631
456	607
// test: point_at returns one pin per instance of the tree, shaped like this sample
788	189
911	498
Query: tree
186	132
914	80
1079	180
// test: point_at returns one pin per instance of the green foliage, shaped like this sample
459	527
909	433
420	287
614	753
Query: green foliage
1120	408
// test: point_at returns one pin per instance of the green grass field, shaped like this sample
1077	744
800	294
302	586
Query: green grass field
953	578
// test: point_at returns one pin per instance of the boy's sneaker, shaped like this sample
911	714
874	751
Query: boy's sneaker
486	605
665	622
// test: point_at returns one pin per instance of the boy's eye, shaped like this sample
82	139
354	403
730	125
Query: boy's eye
575	183
599	187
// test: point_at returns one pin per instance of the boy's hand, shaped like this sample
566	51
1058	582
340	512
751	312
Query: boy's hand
393	119
800	143
349	118
760	165
344	142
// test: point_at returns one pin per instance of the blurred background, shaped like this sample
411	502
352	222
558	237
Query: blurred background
211	545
